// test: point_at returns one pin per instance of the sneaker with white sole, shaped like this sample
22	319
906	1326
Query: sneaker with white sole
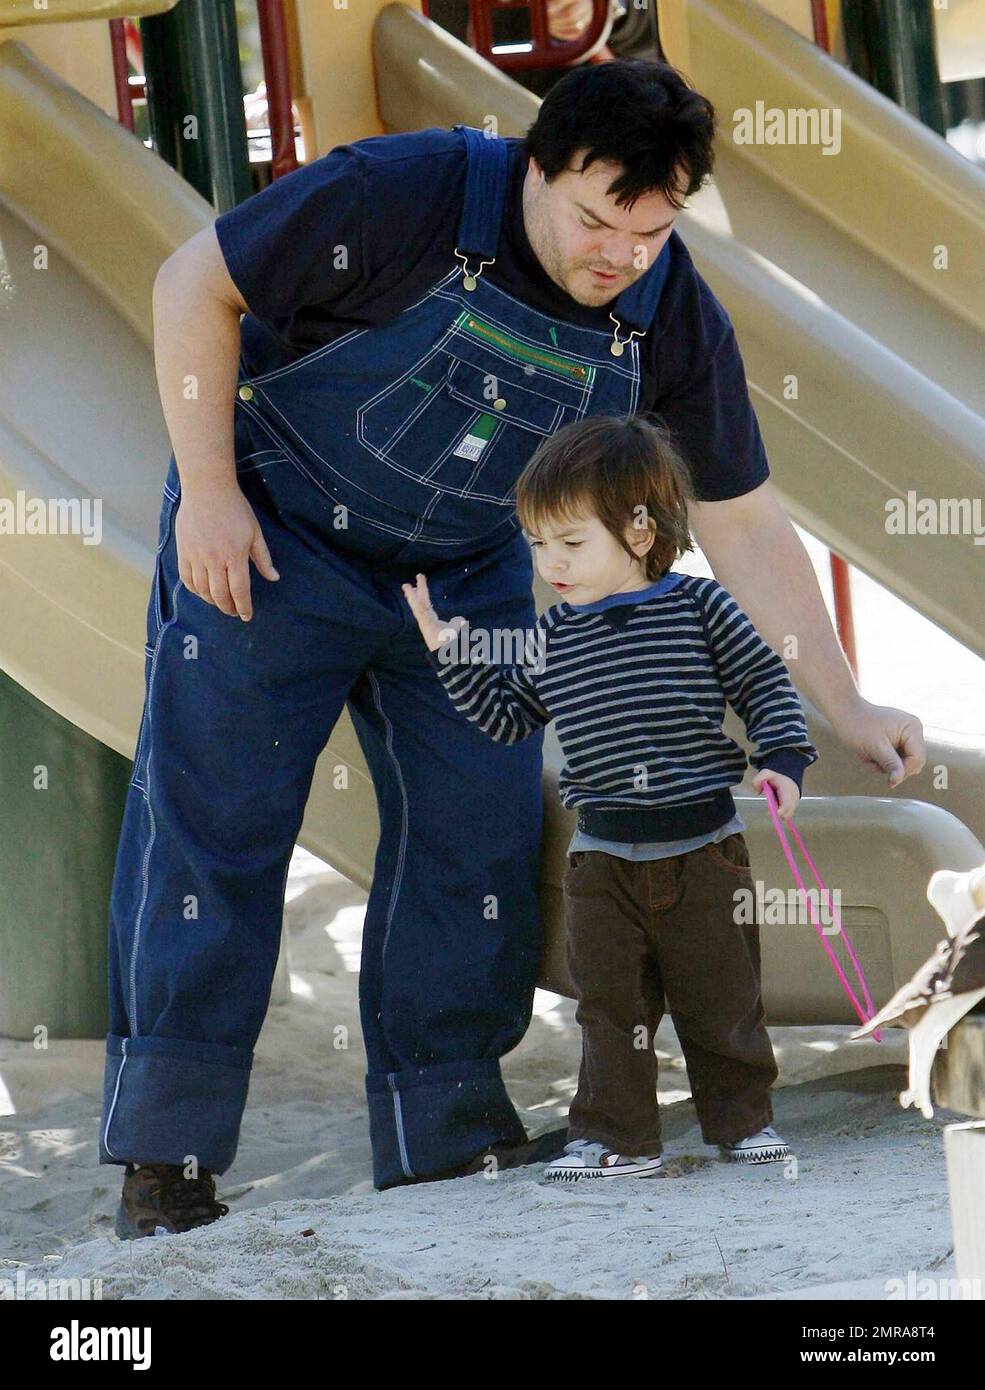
585	1158
765	1146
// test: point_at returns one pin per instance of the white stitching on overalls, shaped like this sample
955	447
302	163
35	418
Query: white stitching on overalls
144	874
268	456
398	872
510	331
448	289
141	732
372	522
477	465
336	342
415	414
446	341
422	361
306	357
398	1119
637	373
112	1108
525	422
603	333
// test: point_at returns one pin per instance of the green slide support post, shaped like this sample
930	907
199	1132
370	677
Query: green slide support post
891	44
195	98
964	101
63	795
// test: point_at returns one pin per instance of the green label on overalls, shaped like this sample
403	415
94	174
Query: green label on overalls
486	333
479	435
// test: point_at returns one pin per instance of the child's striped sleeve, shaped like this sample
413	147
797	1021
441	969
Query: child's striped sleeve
501	699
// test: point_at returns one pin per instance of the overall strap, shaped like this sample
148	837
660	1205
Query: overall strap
485	192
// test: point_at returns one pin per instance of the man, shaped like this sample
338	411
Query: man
420	311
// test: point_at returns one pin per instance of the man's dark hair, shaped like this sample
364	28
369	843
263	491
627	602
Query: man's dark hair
640	114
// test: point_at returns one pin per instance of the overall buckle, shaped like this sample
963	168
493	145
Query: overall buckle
618	345
470	281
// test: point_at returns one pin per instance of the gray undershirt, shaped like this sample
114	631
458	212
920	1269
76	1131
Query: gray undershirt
661	849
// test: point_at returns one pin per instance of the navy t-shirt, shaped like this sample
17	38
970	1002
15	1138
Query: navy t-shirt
357	236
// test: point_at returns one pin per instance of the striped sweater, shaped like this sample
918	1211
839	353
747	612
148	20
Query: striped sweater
637	685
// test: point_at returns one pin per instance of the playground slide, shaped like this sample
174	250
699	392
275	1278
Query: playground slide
79	416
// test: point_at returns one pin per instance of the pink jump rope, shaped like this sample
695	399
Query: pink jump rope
859	976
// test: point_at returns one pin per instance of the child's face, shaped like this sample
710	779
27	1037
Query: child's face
583	561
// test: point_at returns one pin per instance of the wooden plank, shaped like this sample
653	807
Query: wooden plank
958	1078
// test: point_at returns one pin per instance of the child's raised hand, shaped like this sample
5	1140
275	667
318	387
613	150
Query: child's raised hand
787	791
433	630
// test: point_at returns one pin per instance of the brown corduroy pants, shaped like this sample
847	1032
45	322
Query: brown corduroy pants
655	935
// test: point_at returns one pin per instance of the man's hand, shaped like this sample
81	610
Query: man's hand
433	630
217	534
880	734
787	791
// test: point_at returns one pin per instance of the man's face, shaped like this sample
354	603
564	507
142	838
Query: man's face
577	230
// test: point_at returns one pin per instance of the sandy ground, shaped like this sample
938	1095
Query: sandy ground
865	1204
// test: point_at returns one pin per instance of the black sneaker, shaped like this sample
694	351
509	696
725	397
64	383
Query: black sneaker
158	1200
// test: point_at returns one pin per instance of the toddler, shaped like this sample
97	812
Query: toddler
635	665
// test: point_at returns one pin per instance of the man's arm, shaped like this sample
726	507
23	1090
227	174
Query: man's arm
758	557
757	685
196	310
196	356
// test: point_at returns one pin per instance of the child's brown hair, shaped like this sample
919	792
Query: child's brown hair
624	469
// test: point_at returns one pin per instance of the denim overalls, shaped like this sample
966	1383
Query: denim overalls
390	450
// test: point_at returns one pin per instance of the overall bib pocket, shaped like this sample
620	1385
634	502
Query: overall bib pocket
467	416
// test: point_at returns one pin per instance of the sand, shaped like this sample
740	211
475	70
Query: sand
866	1203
